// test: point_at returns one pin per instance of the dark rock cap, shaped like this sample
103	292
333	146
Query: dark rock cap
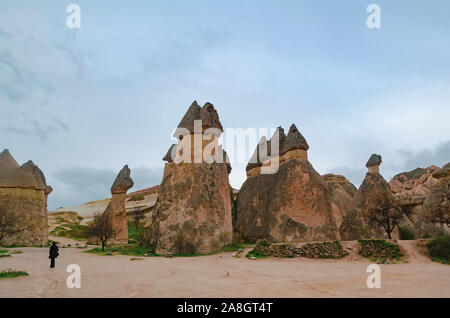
255	160
123	181
294	140
168	156
27	176
207	114
441	173
209	117
279	133
7	161
374	160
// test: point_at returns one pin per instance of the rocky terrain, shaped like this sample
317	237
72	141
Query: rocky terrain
436	205
411	188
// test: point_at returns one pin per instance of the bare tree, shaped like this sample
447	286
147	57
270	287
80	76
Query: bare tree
385	214
10	222
440	212
102	229
137	218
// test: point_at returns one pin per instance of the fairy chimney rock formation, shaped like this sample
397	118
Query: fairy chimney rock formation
24	191
291	203
373	191
116	207
193	211
287	147
373	164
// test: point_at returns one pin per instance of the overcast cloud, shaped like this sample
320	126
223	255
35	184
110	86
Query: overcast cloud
81	103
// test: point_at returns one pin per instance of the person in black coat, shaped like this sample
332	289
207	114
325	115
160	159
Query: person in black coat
53	254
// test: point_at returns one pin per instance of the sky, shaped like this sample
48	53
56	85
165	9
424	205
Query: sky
81	103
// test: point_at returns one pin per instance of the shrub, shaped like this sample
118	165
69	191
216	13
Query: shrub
137	197
256	254
439	248
11	274
406	233
379	249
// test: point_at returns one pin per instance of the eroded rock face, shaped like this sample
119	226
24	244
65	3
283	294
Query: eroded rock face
193	211
354	226
436	198
411	188
291	205
24	191
116	207
342	192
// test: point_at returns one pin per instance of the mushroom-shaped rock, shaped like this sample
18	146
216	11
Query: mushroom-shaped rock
373	164
193	211
116	207
442	173
372	192
123	181
294	140
374	160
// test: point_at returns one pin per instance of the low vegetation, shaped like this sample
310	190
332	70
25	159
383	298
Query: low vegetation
135	233
12	274
332	250
380	250
439	249
137	197
76	232
131	250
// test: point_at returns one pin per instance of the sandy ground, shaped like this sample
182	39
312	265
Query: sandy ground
220	275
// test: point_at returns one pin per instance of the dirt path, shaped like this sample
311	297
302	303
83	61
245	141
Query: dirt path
410	249
220	275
